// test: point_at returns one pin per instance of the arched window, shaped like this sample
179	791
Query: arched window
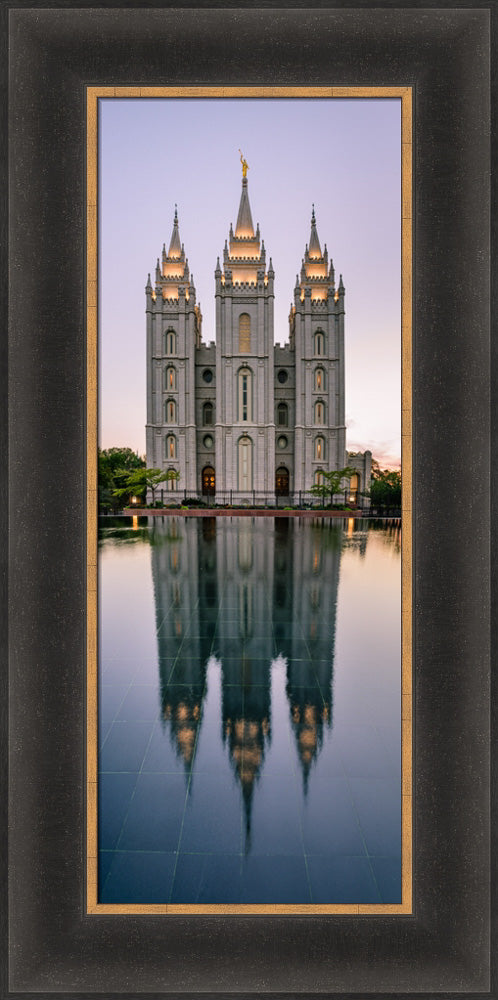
169	378
171	483
170	446
208	414
245	463
282	415
244	333
319	343
319	379
245	394
170	411
319	412
170	342
320	449
319	477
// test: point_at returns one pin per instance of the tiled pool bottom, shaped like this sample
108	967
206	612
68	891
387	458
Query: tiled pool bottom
249	728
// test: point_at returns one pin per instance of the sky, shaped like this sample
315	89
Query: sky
342	155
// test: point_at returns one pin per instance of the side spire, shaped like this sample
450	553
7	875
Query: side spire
175	246
314	245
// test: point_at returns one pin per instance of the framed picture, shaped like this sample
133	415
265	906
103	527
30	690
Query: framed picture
437	938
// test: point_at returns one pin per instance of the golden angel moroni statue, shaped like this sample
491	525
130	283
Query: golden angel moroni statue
245	167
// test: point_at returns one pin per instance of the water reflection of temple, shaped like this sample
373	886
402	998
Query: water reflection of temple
278	596
245	647
183	644
309	645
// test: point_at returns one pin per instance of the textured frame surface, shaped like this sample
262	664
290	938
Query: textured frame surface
444	946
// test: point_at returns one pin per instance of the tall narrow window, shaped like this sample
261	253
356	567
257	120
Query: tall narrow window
245	394
354	486
244	333
170	411
170	342
319	379
170	379
319	343
282	415
171	483
319	477
319	449
207	414
170	446
319	413
245	464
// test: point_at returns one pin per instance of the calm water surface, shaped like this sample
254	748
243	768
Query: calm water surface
249	711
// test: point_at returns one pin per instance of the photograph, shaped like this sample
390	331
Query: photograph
249	639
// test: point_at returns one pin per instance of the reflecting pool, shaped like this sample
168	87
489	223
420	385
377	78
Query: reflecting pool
249	710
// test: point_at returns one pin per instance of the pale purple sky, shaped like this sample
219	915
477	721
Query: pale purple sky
341	155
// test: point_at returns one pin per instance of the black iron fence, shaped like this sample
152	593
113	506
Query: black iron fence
297	499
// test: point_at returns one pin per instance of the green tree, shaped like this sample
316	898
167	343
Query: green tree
113	463
385	488
141	480
331	483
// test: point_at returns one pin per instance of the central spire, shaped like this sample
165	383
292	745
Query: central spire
244	225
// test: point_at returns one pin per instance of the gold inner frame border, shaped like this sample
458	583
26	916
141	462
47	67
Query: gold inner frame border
93	95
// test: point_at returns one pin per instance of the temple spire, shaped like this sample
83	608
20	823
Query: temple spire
314	245
175	246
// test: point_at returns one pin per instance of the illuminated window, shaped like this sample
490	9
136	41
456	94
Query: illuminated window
170	342
282	415
169	379
244	333
171	483
170	411
319	343
354	486
320	449
170	446
319	379
319	477
245	394
207	414
319	412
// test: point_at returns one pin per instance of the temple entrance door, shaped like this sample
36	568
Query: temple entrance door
208	481
282	482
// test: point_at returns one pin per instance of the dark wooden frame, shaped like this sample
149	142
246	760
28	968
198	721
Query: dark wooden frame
54	947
